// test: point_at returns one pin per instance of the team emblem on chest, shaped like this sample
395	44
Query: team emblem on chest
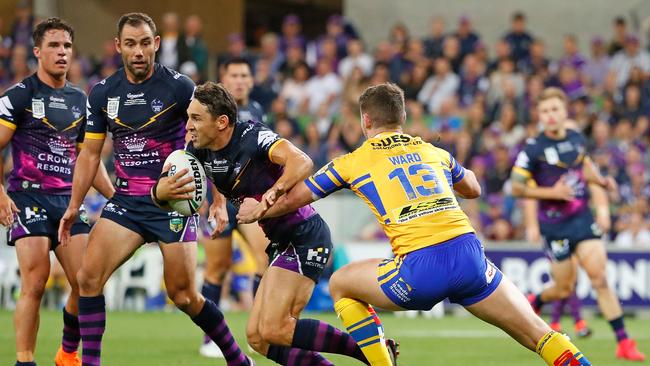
112	107
38	108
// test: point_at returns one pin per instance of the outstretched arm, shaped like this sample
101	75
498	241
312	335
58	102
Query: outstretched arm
251	210
468	187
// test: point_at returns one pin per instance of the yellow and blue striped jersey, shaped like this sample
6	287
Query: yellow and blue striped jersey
408	185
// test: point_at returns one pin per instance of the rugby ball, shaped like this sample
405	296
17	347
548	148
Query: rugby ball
179	160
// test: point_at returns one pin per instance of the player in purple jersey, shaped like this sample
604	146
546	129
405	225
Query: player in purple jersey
554	169
144	106
43	118
246	159
238	80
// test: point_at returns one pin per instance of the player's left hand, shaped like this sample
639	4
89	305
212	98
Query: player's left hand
271	196
251	210
218	218
69	217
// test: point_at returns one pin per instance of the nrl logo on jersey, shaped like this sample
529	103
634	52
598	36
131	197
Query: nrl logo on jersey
156	105
76	112
112	107
38	108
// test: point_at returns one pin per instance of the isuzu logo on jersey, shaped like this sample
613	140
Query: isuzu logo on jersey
38	108
112	107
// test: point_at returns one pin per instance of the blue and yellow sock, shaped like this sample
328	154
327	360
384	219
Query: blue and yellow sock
364	327
557	350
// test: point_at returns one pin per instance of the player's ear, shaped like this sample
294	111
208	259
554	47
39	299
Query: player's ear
367	124
222	122
156	42
37	51
118	47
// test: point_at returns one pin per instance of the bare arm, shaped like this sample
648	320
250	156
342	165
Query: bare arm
7	205
531	222
468	187
297	166
102	182
559	191
251	210
85	171
601	205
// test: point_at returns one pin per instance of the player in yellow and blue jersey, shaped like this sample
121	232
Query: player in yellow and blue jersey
409	185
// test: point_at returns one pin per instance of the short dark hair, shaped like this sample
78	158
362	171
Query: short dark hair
384	104
217	99
50	24
134	20
236	61
519	15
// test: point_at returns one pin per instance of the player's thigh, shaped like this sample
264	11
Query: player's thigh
592	257
71	257
109	245
358	280
257	242
284	295
508	309
179	261
564	272
218	253
33	253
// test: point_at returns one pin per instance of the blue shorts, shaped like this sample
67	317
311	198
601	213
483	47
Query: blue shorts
456	269
40	215
139	214
306	249
562	239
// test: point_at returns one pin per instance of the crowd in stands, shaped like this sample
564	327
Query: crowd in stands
474	99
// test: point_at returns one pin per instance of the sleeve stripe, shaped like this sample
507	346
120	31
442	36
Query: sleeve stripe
333	178
314	188
361	178
521	171
273	146
95	136
336	174
7	124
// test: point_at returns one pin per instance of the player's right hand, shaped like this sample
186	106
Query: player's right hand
563	191
68	219
251	210
7	210
174	187
218	218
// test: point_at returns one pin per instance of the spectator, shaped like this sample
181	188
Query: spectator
171	50
292	33
636	232
196	49
472	80
440	86
617	43
572	56
435	39
323	88
294	90
356	58
270	51
466	36
598	65
518	38
630	56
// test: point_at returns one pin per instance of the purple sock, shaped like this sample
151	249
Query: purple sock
619	328
211	292
574	305
315	335
211	320
558	309
92	323
288	356
71	335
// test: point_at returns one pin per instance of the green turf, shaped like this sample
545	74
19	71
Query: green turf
161	338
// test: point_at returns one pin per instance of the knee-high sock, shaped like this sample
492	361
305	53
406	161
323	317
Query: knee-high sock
363	325
618	326
315	335
92	323
211	292
556	349
71	335
558	310
289	356
574	305
213	323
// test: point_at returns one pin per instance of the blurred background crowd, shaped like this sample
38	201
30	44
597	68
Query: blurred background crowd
476	100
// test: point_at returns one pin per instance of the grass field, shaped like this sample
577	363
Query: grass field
159	338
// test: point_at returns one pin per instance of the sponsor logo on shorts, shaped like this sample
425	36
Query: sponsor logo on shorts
317	257
113	208
416	210
176	224
490	272
401	290
560	247
35	214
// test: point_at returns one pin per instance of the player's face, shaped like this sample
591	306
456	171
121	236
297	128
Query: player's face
202	127
552	114
138	46
237	79
55	53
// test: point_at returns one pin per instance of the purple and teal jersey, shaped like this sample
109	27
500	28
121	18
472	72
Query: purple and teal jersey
147	121
545	160
48	123
244	169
